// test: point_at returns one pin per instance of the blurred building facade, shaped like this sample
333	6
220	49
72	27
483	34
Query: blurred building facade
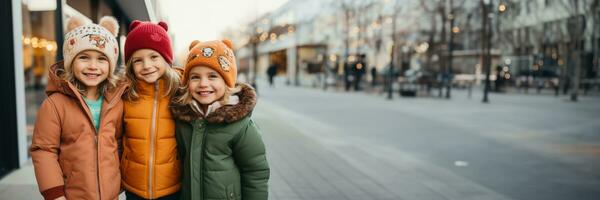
538	38
311	38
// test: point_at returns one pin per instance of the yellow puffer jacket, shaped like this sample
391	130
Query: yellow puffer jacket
149	165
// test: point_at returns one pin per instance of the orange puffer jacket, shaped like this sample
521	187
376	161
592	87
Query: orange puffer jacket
70	157
150	167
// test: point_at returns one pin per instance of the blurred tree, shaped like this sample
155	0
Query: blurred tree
580	11
447	11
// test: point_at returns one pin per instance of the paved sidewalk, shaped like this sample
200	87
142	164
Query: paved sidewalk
20	184
311	160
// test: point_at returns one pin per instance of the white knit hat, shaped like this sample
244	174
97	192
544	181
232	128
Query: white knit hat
81	37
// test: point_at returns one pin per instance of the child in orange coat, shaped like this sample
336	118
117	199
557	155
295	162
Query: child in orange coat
150	166
75	140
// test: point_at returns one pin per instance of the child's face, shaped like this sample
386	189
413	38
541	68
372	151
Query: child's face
90	68
148	65
206	85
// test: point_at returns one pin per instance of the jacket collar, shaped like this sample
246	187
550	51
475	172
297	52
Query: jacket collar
226	112
233	100
148	89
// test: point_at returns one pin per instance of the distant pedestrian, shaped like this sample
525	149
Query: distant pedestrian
555	85
220	145
348	75
373	76
271	72
359	71
75	139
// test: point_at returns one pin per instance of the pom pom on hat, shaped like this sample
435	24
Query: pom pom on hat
164	25
228	43
193	44
134	24
74	22
111	24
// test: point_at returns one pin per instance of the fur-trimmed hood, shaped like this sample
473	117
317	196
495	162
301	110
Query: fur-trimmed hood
224	114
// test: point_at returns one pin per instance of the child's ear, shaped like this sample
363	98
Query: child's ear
74	22
228	43
193	44
111	24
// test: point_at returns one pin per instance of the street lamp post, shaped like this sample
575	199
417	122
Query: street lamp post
391	76
393	56
487	45
391	69
450	49
397	8
254	40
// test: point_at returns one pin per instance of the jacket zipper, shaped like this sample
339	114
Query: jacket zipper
96	153
203	166
152	137
84	105
97	165
109	105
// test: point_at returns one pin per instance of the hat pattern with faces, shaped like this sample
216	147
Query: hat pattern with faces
218	55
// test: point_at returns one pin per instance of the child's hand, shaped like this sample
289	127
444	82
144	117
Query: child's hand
61	198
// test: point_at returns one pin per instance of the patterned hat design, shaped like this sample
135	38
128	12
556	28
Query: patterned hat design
214	54
81	37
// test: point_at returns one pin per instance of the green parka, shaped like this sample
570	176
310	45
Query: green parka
223	154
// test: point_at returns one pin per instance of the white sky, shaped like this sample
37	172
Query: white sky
211	17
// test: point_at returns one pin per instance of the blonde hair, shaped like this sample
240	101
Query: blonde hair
171	77
68	75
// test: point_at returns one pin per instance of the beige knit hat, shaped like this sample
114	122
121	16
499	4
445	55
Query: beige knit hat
81	37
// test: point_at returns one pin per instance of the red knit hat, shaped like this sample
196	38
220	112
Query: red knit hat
146	35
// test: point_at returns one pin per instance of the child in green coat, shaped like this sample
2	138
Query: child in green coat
221	147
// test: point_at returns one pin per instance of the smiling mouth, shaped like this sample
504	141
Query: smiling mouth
204	93
91	75
148	73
